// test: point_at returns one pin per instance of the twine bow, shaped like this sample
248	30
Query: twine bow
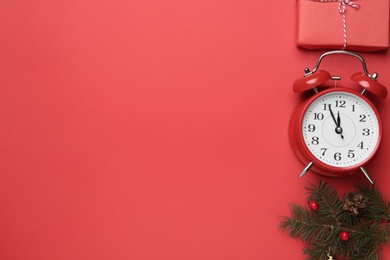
342	9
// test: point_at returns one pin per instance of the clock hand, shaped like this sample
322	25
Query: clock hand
338	119
339	130
331	113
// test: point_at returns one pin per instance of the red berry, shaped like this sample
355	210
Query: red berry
313	205
344	235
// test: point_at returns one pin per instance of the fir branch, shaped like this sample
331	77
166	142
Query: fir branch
378	207
305	225
327	196
320	228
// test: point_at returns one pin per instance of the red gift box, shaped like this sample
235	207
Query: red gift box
364	26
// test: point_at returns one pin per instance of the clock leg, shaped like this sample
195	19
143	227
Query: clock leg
307	168
365	172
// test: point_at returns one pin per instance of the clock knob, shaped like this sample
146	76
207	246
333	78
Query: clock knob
370	84
311	81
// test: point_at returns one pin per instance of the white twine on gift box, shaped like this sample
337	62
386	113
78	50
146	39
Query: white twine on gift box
342	9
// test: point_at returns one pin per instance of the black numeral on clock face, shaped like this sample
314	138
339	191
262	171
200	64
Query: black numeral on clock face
315	140
366	132
325	107
318	116
337	156
340	103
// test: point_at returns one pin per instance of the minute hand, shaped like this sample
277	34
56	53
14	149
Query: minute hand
334	119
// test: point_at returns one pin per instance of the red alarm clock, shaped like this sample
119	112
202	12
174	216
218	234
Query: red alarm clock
337	130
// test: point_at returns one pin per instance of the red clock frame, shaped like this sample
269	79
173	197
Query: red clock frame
302	151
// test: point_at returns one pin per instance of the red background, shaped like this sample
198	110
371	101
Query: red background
155	129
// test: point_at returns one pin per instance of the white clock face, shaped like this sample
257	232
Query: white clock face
340	129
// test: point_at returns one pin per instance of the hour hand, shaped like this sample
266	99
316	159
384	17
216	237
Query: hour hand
338	119
339	130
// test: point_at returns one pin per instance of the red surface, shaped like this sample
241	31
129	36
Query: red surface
155	129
